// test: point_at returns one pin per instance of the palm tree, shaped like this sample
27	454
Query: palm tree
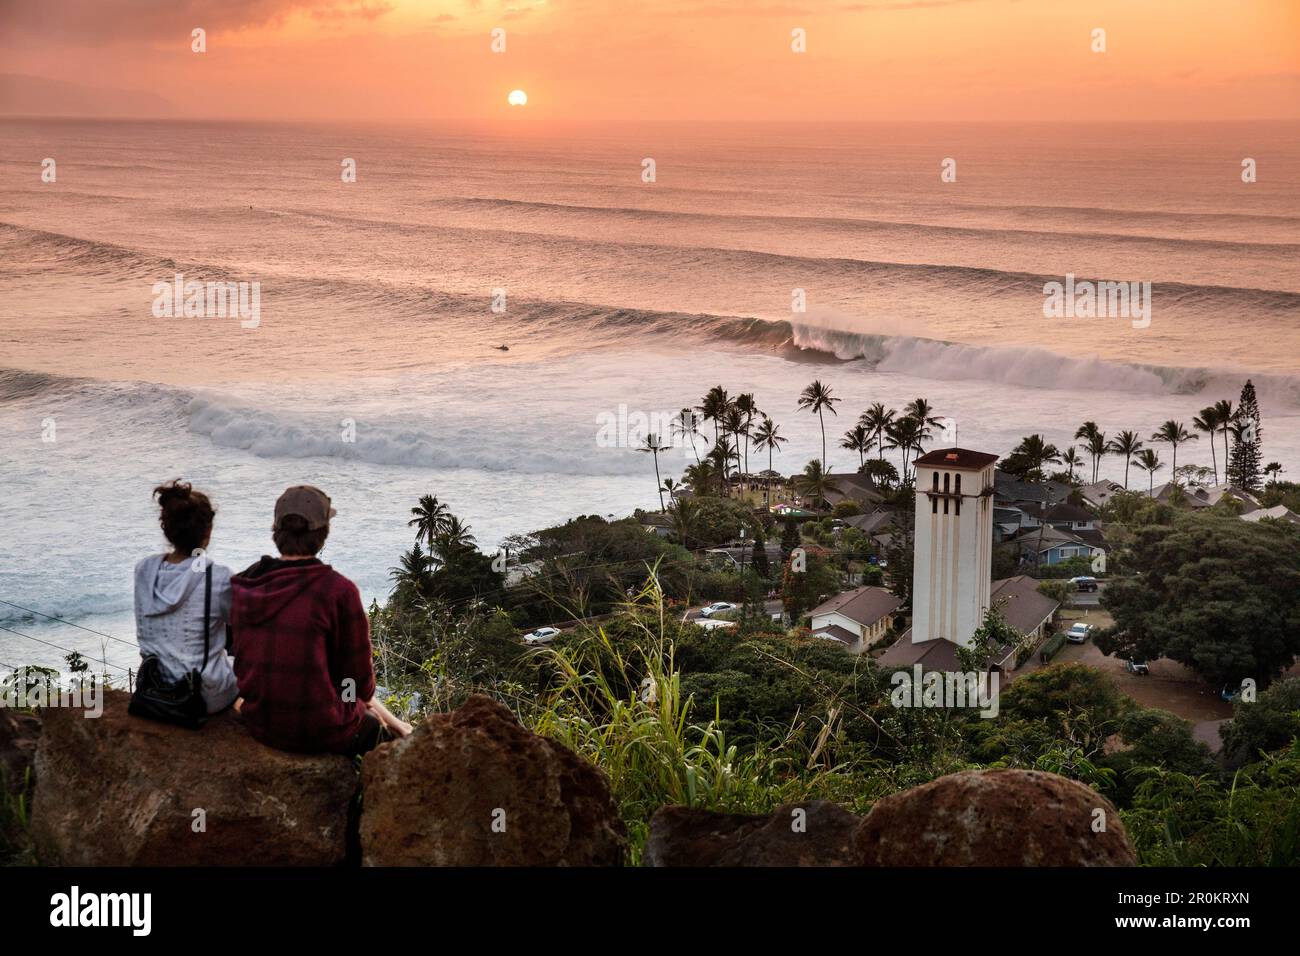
670	487
815	398
1273	468
923	412
653	446
733	424
1094	442
906	434
684	517
720	457
1149	462
430	519
1227	415
1127	444
701	477
1173	434
1208	422
877	420
687	426
412	571
748	410
1072	460
714	406
454	539
857	439
1037	453
768	436
815	482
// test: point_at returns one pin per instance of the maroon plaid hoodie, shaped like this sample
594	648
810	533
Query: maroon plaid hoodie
300	631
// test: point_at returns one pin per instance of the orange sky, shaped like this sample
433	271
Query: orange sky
674	59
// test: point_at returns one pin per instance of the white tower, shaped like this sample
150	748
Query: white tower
953	568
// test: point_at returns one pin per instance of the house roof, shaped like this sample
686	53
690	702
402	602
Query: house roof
1099	492
960	458
864	605
1011	488
1277	512
936	655
872	522
1064	511
1021	603
853	486
836	633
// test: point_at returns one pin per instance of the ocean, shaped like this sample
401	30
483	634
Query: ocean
373	369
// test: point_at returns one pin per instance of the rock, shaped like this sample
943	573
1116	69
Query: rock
19	732
994	818
474	788
821	836
122	791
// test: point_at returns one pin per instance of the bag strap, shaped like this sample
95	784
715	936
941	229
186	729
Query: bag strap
207	610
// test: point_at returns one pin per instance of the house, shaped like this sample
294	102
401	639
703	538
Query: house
1100	492
856	619
1067	517
855	487
1019	602
1276	513
1009	490
873	523
1049	545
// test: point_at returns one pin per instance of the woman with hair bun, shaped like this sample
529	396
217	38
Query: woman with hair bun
170	598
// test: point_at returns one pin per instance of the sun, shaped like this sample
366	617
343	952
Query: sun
517	98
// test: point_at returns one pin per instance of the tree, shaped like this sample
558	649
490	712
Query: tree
817	398
1216	593
452	542
683	515
703	478
857	439
687	426
1269	723
653	446
1149	462
714	406
1273	469
733	424
882	472
1072	460
1094	443
1208	422
1226	415
768	436
877	420
790	538
1244	466
1173	434
1028	458
412	574
748	409
814	483
1126	443
905	433
430	519
760	563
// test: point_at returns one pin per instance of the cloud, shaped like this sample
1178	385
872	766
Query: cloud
125	21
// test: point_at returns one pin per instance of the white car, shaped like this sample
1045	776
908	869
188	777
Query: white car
715	607
1078	633
543	635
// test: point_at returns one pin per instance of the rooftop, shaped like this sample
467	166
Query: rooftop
865	605
962	458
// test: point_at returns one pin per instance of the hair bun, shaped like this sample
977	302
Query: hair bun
172	493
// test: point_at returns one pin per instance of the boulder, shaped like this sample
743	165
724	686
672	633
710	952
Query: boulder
802	834
118	790
474	788
19	732
995	818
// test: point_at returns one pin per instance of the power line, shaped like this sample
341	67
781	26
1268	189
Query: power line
57	647
69	623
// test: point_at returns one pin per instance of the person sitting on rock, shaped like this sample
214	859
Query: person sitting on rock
169	598
302	642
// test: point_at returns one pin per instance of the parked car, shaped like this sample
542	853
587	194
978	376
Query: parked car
1084	583
1078	632
543	635
1231	693
1137	667
715	607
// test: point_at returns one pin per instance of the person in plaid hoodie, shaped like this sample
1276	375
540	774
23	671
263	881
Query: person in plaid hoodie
301	642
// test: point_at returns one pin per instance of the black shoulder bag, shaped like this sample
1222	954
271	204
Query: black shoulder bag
174	702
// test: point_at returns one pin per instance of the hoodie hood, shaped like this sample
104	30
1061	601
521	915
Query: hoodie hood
269	586
161	590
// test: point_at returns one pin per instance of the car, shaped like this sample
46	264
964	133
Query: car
1231	693
715	608
1078	632
543	635
1137	667
1084	583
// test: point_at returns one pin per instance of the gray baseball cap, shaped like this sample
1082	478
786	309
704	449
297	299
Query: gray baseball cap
307	502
